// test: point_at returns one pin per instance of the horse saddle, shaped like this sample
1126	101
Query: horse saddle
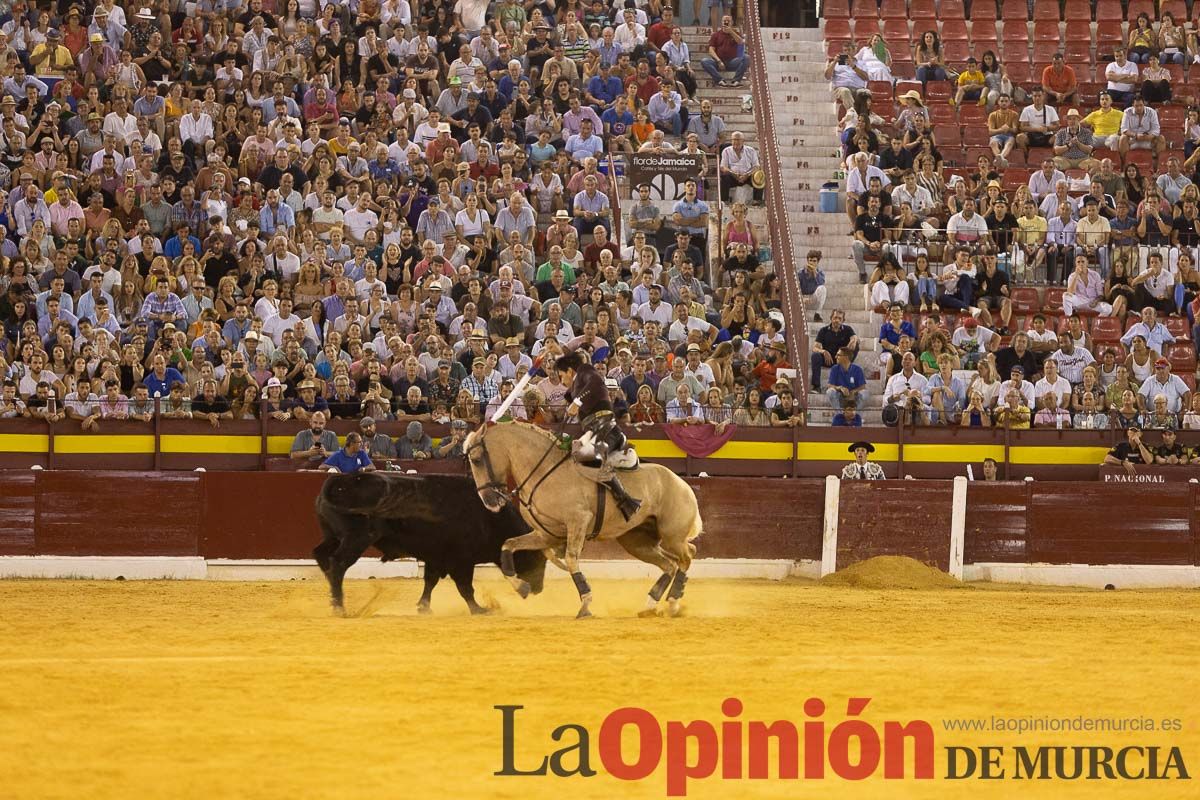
625	460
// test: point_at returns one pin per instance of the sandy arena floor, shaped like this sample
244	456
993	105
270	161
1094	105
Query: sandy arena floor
251	690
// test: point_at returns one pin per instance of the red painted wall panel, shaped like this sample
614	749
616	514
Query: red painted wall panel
118	513
17	514
904	518
996	522
260	514
1089	523
760	518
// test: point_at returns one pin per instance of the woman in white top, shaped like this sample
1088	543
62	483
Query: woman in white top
376	305
255	93
290	19
472	221
268	305
985	383
396	13
1140	361
216	200
875	60
316	327
571	252
128	74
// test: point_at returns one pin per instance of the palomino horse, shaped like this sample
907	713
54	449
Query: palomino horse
560	503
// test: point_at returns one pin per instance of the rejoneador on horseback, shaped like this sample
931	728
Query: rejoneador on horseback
531	467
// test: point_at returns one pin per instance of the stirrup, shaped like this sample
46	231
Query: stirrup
628	506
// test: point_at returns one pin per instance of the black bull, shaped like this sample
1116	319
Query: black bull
437	519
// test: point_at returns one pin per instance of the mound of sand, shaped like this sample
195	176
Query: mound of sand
892	572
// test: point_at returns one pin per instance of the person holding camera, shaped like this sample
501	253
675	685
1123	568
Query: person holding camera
904	397
846	78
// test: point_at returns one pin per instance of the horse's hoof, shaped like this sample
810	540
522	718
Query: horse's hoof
481	611
675	608
339	611
423	608
583	614
646	613
523	589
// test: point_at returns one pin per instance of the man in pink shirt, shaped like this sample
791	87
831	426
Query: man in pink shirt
63	210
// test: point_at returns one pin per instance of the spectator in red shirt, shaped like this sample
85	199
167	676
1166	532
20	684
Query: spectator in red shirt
775	359
322	110
659	33
727	51
647	84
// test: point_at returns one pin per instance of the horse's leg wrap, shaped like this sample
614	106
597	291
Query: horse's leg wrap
507	567
581	584
660	586
678	585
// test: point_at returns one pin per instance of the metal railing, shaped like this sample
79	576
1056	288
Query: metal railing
616	199
777	216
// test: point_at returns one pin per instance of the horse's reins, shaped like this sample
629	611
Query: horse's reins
514	494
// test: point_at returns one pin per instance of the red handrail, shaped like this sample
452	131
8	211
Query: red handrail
777	217
714	271
615	199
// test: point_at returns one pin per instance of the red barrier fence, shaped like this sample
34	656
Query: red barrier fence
265	515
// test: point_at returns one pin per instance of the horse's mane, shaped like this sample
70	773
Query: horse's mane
521	424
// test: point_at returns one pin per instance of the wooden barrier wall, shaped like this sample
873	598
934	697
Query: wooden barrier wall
269	515
266	515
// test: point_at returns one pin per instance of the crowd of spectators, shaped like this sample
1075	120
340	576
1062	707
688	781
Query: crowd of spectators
371	210
1093	187
954	371
1100	177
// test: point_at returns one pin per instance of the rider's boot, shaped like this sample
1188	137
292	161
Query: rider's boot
627	505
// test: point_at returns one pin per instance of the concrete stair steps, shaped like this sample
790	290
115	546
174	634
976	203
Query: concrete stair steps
805	120
794	36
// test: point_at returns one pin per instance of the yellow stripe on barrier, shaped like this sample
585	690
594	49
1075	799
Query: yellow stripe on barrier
24	443
952	453
657	448
97	444
839	451
763	451
1051	456
210	443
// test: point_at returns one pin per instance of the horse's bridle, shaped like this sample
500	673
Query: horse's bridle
501	488
493	484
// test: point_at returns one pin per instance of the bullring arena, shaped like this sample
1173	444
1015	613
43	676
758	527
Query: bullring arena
239	686
244	242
